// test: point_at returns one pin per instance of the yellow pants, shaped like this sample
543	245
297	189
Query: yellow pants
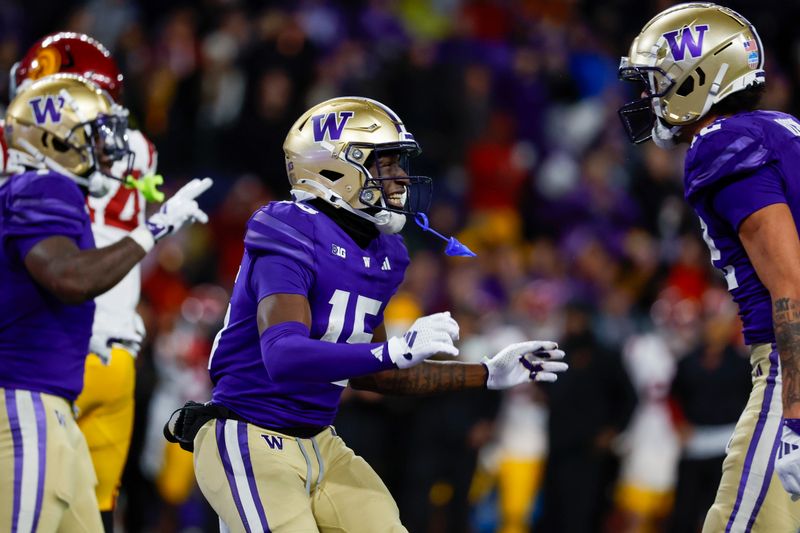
750	497
105	416
47	480
645	503
257	480
518	483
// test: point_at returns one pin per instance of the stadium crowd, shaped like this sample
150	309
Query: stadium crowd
580	238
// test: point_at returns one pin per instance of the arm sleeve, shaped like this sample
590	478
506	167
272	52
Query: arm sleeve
289	354
278	274
738	200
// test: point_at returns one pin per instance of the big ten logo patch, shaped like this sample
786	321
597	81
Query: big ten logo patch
330	126
46	108
691	40
338	251
273	441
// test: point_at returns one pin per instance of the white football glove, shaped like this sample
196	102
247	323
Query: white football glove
427	336
176	212
787	464
523	362
179	210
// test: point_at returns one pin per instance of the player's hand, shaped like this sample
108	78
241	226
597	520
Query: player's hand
179	210
427	336
523	362
787	464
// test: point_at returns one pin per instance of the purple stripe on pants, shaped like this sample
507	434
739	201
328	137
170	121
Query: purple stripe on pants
16	435
768	474
41	427
751	450
226	463
244	448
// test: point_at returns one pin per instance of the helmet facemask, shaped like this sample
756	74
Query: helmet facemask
638	116
109	144
416	195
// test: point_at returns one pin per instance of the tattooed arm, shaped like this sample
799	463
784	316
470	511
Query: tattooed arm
770	238
426	378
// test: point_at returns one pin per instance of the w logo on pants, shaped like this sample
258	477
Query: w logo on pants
274	441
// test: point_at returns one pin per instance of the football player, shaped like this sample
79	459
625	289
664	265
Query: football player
306	318
68	130
701	70
105	406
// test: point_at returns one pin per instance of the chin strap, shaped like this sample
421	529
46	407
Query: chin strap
454	247
386	221
49	163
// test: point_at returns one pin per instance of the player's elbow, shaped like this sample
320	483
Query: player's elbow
279	371
68	289
787	287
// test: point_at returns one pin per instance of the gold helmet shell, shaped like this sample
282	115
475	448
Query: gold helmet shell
330	147
65	122
690	57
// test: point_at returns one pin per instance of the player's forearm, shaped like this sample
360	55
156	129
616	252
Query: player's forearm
428	377
786	320
73	275
98	270
289	354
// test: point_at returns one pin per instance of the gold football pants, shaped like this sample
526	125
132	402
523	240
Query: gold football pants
47	480
258	480
750	497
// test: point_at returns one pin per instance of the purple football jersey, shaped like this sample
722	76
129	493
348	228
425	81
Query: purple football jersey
292	248
734	167
43	342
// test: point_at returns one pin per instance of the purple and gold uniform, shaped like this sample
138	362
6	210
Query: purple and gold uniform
256	474
734	167
48	478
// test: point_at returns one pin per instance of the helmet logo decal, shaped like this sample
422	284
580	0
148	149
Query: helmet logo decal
751	47
329	126
51	110
687	42
48	61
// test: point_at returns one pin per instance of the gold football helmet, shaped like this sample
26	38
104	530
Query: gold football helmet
688	58
68	124
331	147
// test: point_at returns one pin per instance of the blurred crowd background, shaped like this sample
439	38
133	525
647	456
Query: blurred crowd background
581	238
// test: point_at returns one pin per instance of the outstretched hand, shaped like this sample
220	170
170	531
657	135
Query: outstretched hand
181	209
524	362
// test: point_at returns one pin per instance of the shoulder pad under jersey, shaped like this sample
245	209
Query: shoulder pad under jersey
146	155
283	228
729	147
44	200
